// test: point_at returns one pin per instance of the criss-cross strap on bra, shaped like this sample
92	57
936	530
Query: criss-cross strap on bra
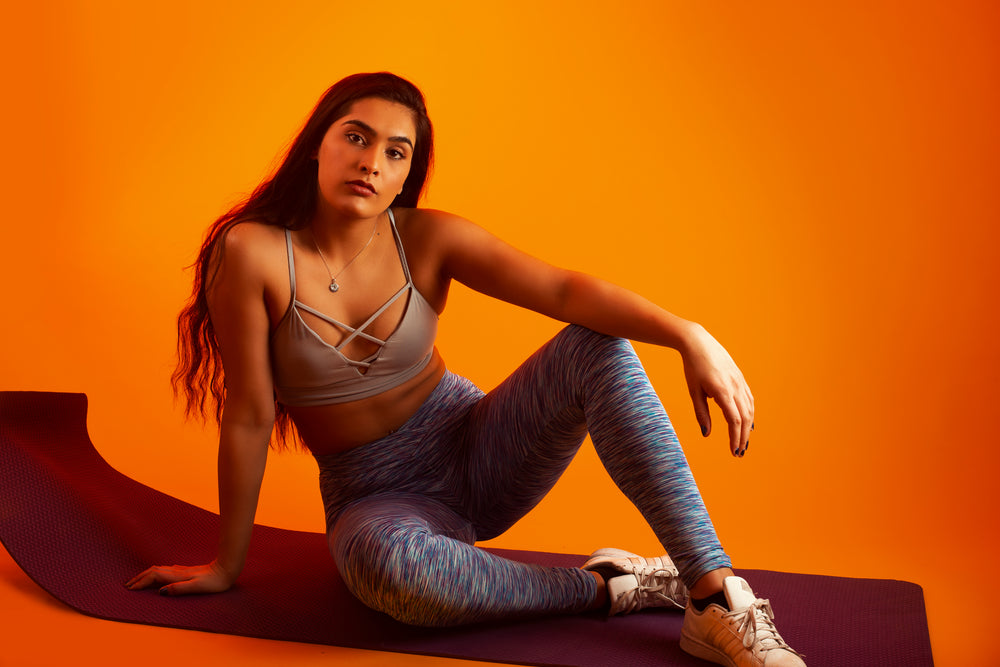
309	371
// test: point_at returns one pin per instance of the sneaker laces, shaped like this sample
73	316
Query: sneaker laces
653	585
756	625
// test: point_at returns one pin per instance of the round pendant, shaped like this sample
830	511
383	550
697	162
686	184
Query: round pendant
334	287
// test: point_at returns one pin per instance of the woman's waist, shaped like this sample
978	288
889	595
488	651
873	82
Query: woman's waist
433	431
338	427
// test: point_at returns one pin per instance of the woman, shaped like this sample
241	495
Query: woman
319	297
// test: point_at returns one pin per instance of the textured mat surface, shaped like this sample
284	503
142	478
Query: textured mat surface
80	529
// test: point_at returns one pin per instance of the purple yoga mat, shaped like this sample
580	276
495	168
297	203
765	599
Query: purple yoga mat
80	529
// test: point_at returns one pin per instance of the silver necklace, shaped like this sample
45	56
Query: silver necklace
334	285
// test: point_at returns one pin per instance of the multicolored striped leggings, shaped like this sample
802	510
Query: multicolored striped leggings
403	512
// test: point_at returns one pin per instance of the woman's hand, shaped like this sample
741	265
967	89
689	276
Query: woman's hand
712	373
183	580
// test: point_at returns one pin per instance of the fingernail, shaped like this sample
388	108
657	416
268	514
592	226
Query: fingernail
163	591
742	452
704	431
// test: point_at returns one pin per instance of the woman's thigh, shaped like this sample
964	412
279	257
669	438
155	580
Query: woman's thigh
520	438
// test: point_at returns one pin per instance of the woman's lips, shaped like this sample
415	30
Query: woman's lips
362	188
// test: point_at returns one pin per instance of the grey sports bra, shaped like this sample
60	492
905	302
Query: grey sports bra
309	371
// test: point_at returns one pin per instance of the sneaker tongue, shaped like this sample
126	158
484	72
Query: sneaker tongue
738	593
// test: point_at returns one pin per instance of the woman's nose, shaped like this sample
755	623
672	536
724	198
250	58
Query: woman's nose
369	163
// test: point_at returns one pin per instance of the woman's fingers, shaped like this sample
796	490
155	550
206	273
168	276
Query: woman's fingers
158	575
736	402
180	588
182	580
734	419
742	422
144	579
747	413
701	411
189	587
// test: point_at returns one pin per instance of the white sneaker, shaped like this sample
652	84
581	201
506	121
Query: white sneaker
743	637
636	583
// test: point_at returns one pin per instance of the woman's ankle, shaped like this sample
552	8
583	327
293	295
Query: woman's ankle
710	584
601	598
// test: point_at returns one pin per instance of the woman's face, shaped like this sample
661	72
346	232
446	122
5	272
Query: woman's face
365	157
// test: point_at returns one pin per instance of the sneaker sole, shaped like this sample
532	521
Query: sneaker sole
701	650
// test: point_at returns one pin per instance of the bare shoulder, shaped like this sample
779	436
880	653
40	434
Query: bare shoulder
250	241
425	220
252	238
251	251
427	230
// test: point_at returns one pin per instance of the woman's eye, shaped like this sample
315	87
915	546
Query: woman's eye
396	154
355	138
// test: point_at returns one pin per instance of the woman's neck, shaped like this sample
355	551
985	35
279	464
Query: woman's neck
340	237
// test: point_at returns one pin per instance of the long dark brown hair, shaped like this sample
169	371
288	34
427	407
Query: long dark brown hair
286	199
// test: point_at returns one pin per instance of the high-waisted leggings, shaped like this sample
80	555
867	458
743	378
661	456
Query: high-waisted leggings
404	511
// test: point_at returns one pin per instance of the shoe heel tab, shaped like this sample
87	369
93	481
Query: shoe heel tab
738	593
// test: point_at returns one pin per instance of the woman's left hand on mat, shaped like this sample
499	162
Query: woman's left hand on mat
183	579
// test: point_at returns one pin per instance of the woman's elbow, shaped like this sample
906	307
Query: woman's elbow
254	414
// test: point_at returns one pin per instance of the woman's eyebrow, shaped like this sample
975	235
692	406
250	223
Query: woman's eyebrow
368	128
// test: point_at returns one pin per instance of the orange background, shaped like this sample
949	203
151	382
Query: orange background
817	186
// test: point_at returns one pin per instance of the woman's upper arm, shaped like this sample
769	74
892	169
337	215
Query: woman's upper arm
483	262
240	319
476	258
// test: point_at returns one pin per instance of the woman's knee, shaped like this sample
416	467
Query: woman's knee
589	350
589	340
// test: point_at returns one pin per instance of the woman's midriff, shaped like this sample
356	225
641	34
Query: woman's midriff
331	429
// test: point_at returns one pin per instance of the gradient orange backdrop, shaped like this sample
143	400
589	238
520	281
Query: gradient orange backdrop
815	185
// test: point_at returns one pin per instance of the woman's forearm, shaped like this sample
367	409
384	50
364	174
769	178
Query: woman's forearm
617	311
242	459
